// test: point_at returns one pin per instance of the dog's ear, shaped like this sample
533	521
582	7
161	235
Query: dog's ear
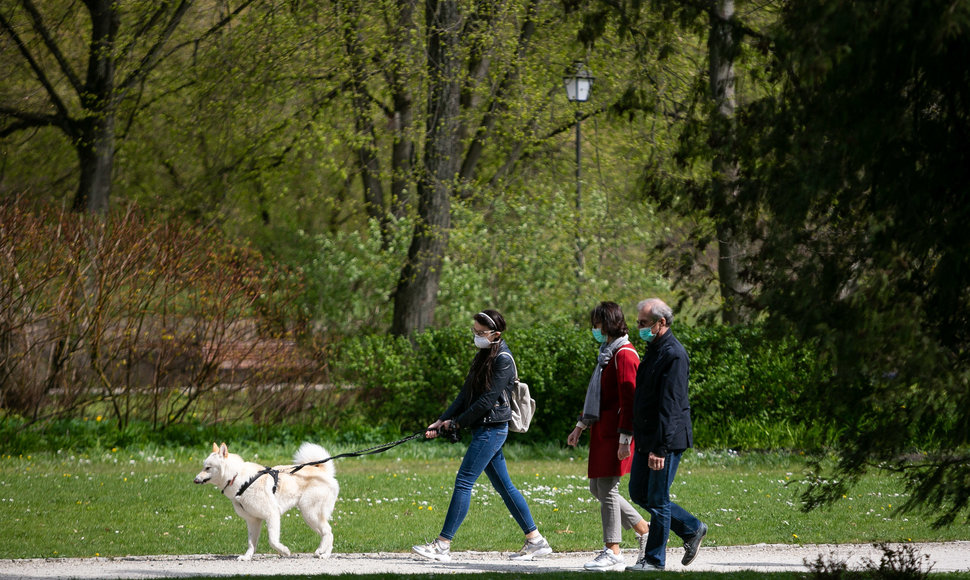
224	451
215	448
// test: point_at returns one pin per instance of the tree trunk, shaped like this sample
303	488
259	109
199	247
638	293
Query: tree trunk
417	290
96	151
402	151
95	132
365	147
722	48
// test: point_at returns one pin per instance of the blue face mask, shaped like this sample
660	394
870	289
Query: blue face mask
598	336
647	334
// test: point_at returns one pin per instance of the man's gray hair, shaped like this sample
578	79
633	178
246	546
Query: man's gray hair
658	309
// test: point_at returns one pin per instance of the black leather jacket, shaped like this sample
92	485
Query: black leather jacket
490	407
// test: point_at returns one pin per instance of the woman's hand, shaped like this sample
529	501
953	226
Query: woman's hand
573	438
433	429
623	451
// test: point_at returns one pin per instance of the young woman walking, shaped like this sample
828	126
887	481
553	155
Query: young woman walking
483	407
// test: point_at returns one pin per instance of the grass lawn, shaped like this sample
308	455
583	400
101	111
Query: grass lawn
142	502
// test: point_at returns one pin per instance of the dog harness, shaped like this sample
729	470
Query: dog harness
276	480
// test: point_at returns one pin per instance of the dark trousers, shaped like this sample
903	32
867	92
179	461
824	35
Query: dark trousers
651	490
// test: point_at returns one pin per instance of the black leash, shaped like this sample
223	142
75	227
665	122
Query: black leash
369	451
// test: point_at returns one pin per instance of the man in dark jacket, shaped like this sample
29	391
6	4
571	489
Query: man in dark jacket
662	432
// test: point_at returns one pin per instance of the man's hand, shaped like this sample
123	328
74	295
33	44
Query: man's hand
655	462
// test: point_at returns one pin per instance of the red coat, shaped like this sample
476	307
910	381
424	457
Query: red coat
616	412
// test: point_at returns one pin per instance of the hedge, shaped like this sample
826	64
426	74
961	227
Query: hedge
745	388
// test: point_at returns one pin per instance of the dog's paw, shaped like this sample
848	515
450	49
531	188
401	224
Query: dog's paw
245	558
322	555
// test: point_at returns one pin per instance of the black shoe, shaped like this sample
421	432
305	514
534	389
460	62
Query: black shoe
643	566
693	544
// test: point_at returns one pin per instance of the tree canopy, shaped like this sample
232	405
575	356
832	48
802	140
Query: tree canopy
855	176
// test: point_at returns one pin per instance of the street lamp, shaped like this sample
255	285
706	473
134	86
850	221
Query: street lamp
578	81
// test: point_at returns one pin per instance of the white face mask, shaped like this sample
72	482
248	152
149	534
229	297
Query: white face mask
482	342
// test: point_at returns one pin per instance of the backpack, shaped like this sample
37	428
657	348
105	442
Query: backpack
521	402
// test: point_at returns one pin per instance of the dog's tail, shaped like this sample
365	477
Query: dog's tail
310	452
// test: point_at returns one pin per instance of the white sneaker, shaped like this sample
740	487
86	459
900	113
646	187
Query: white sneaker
605	560
532	548
434	550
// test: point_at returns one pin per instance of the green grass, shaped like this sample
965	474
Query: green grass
128	502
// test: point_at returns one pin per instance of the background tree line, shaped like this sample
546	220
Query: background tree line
800	162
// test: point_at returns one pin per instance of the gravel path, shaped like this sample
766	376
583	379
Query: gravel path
944	557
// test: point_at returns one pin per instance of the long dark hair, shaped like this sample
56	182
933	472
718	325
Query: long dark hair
481	371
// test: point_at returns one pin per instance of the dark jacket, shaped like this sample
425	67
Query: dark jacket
490	407
661	409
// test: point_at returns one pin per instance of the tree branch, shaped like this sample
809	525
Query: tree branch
154	53
51	45
497	106
41	77
215	28
26	121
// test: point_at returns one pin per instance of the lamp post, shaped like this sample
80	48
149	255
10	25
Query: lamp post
578	81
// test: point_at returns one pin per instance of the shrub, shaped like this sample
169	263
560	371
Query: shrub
411	384
745	389
137	319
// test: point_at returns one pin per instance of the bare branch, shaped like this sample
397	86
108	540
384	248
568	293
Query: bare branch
51	45
154	53
38	71
26	121
215	28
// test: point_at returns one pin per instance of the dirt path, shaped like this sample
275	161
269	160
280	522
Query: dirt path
944	557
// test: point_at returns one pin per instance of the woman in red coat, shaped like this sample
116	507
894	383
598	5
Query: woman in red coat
608	414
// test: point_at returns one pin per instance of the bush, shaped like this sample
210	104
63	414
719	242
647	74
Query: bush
411	384
137	319
745	389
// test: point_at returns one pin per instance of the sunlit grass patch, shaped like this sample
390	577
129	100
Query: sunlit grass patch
122	502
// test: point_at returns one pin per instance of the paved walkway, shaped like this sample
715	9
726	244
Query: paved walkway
944	557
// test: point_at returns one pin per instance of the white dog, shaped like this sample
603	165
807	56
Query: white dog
261	494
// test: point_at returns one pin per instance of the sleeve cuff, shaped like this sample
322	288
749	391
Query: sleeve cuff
625	438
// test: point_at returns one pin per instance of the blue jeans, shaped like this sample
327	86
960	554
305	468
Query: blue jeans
484	453
651	490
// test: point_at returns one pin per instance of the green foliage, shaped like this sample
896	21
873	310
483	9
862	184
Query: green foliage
903	563
740	373
411	385
854	182
746	390
346	277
